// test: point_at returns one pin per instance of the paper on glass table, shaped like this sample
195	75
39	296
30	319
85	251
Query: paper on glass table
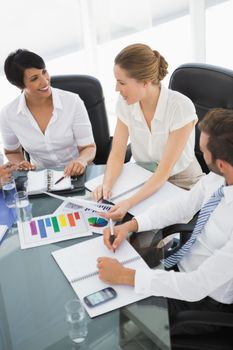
51	228
95	206
96	222
3	229
165	193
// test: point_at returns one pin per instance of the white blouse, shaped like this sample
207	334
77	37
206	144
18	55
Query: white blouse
68	128
173	111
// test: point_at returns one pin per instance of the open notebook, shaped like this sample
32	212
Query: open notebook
132	176
44	180
129	182
78	264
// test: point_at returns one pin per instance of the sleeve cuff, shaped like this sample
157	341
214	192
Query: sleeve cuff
144	223
85	141
142	281
12	147
183	123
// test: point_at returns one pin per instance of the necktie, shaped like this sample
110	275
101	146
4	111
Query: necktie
202	219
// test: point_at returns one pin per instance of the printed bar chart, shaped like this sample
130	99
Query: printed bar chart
53	228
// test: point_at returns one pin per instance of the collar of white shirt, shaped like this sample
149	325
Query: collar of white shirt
162	103
22	106
228	193
160	108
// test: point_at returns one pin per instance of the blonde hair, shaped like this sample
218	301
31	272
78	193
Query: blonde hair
142	63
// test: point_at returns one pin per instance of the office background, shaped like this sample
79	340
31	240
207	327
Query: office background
83	36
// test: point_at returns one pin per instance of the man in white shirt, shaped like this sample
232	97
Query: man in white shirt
205	280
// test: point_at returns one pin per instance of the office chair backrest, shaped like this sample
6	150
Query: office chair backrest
208	87
90	91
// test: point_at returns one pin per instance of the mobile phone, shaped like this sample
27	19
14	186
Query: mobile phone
100	297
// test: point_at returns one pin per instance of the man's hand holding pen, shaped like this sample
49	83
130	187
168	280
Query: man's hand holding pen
119	234
111	270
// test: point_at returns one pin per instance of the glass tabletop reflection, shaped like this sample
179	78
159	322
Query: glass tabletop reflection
34	291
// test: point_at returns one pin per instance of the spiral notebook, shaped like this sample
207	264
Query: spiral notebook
78	263
132	177
44	181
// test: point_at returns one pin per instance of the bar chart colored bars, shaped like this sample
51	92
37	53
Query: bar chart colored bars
62	220
53	228
33	228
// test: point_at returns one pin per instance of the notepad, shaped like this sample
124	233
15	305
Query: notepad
44	180
129	182
132	176
78	263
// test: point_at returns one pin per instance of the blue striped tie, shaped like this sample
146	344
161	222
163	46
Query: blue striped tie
202	219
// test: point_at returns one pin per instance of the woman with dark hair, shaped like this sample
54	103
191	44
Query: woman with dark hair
159	122
52	125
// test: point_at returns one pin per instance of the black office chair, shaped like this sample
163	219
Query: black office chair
90	91
208	87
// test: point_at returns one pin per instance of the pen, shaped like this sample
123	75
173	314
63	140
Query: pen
112	236
59	180
100	200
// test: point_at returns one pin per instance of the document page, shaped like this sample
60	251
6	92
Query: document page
78	263
132	176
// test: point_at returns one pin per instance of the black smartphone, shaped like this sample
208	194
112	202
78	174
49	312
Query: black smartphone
100	297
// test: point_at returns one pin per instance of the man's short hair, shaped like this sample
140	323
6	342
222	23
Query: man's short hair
218	125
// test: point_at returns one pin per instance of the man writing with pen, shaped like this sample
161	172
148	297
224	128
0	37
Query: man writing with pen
204	280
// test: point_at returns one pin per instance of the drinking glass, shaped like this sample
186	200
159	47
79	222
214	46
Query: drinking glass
9	191
23	206
77	320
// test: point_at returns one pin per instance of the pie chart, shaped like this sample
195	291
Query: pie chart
97	222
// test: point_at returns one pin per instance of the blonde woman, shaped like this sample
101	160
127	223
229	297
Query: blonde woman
159	122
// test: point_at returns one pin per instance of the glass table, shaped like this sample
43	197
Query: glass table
33	292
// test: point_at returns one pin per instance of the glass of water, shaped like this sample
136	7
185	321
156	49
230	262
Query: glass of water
77	320
23	206
9	191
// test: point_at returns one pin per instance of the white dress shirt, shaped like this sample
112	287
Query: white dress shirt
173	112
68	128
206	270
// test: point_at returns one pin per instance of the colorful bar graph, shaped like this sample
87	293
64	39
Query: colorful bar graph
54	224
51	228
